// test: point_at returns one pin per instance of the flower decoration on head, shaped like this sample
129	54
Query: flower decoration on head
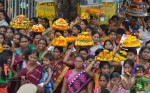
37	28
60	24
94	11
59	41
85	16
20	21
105	55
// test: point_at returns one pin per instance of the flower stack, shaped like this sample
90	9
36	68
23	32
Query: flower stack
37	28
120	56
84	39
20	21
94	10
105	55
71	39
85	16
59	41
60	24
130	42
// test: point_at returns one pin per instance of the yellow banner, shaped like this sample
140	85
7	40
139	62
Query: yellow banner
46	10
109	9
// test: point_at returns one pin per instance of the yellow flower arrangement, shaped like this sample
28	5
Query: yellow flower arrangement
94	10
37	28
20	21
71	39
85	16
1	48
59	41
84	39
131	41
120	56
60	24
105	55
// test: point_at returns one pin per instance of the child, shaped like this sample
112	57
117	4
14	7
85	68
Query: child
108	45
46	80
127	79
140	80
103	81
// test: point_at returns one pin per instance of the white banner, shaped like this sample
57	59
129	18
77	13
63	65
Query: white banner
44	1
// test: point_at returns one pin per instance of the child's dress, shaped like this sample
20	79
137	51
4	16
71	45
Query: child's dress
50	86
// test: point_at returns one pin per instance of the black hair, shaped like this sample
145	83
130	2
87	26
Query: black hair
69	31
134	51
148	10
93	16
78	27
2	2
120	31
2	11
7	42
104	75
139	67
130	62
11	28
24	36
115	16
146	18
34	52
142	49
134	17
25	51
104	28
5	27
91	28
112	31
98	51
59	32
49	56
114	75
59	48
1	34
44	40
95	32
83	49
85	22
105	91
80	57
90	57
126	24
47	21
103	63
107	41
147	42
35	19
35	34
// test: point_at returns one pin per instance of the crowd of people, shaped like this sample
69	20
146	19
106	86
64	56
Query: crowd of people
28	59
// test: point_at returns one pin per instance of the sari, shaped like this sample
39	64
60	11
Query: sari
33	76
76	81
3	90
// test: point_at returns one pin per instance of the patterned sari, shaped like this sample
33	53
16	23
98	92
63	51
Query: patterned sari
76	81
33	76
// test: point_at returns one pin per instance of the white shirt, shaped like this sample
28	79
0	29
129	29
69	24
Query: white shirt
3	23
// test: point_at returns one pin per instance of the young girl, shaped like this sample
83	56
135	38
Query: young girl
76	29
103	81
115	83
127	79
108	45
9	33
46	81
16	40
84	23
7	45
113	37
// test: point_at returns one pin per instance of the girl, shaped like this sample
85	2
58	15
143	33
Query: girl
24	42
108	45
32	73
3	29
41	47
84	23
76	79
9	33
5	74
103	31
127	79
7	45
143	58
115	86
16	40
113	37
89	29
76	29
36	38
103	81
46	80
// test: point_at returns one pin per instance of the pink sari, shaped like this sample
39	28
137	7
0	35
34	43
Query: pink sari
76	81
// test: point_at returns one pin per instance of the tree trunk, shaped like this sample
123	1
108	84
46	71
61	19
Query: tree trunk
66	9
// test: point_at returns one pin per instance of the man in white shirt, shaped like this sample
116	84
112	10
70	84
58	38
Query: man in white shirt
2	19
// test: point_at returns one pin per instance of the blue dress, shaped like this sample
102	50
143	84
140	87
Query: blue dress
50	86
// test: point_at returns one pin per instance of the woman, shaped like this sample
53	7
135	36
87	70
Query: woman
16	40
144	56
41	47
84	23
7	45
9	33
76	80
